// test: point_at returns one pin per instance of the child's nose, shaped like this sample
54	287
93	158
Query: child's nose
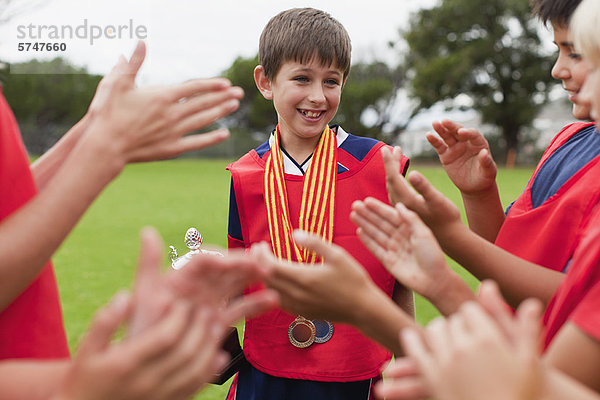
316	94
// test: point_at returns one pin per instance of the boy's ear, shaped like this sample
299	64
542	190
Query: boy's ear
262	82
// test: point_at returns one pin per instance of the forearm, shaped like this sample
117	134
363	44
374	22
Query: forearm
31	380
484	213
518	279
45	167
451	293
382	320
30	236
558	386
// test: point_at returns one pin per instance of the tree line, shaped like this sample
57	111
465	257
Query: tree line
488	50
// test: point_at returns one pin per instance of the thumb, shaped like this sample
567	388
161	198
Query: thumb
149	259
424	187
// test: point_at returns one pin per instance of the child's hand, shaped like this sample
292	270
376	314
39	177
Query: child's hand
333	291
436	210
141	124
171	360
472	355
402	381
403	244
465	155
206	281
408	250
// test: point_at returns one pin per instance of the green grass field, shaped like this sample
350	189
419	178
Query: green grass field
99	256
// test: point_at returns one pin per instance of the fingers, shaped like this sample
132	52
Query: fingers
414	345
528	321
206	100
492	301
196	142
478	322
191	363
397	187
488	166
437	143
137	58
104	325
160	338
202	118
331	253
149	258
405	388
429	193
197	87
250	306
376	219
448	131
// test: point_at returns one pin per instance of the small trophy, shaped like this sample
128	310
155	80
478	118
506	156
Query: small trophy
193	240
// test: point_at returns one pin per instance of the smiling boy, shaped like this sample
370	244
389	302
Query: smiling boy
306	176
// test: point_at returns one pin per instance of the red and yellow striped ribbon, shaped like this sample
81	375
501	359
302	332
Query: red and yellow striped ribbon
318	198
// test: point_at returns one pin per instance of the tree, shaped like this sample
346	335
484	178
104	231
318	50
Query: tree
487	49
371	88
47	98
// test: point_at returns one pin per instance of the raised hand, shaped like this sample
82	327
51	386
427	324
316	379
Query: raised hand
465	155
141	124
206	281
316	291
410	252
172	360
338	290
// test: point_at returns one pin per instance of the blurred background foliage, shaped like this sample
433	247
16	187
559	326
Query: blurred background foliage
487	53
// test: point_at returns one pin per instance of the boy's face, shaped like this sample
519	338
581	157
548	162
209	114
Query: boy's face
571	69
306	97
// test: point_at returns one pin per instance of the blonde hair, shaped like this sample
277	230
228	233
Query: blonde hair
585	30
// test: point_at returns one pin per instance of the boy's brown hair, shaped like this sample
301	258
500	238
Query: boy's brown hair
301	34
557	12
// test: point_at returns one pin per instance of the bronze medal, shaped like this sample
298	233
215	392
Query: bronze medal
302	332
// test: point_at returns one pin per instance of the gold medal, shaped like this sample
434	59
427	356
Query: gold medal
302	332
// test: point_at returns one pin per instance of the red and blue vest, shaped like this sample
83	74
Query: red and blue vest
547	235
348	355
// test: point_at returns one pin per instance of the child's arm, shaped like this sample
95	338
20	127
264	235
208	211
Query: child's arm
339	290
125	125
576	354
465	156
518	278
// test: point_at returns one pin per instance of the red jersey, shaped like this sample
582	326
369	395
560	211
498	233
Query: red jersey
547	235
583	274
348	355
31	326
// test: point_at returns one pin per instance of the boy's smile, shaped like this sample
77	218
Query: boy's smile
306	98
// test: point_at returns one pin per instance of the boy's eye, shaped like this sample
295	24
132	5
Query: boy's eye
332	82
301	79
575	56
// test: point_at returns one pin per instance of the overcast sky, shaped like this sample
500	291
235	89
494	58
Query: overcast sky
188	38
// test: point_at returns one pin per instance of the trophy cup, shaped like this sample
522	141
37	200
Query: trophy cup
231	342
193	241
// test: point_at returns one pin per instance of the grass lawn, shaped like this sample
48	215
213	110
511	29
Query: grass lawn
99	256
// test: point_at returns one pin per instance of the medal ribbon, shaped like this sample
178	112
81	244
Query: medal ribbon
317	203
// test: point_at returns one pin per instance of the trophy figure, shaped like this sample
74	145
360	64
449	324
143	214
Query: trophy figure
193	241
